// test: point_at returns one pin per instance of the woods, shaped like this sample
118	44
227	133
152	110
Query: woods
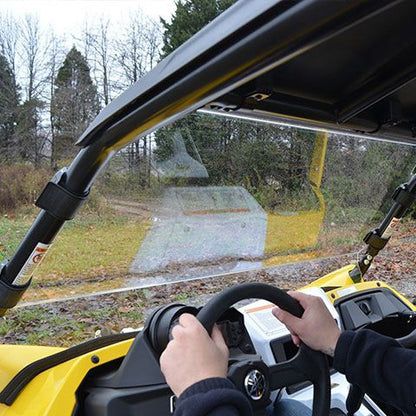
51	90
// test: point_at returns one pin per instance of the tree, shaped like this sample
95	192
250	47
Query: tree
56	55
74	104
189	17
25	47
34	49
30	140
97	44
136	52
10	34
9	99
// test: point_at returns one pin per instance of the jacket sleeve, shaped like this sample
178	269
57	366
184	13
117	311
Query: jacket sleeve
212	397
380	366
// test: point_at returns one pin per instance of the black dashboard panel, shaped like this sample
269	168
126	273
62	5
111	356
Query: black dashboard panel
370	307
231	325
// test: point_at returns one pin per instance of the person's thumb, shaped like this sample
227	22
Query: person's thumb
285	317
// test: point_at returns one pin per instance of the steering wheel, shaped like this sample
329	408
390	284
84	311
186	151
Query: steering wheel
307	364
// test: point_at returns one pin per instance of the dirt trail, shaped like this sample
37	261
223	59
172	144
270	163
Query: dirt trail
142	210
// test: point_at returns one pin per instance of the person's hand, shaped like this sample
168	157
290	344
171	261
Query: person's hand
192	355
317	328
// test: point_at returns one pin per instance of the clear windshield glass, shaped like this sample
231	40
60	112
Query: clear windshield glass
211	196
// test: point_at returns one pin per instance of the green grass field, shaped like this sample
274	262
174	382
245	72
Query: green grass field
12	230
93	253
88	246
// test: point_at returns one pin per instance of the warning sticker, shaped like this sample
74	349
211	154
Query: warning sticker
346	291
31	264
264	319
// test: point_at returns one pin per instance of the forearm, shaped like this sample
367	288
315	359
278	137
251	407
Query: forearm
380	366
212	397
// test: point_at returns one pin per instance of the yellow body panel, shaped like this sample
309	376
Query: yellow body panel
23	355
342	285
52	392
337	278
338	293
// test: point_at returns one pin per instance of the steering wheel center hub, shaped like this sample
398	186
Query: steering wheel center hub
255	384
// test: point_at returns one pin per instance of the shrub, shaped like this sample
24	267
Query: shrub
20	185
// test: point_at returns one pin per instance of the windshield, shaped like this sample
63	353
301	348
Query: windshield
216	196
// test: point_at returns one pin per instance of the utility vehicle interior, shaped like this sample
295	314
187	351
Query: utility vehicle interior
344	67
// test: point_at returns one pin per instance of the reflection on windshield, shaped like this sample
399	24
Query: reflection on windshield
197	226
212	195
202	224
180	164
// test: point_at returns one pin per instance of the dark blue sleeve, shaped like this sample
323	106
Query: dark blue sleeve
212	397
380	366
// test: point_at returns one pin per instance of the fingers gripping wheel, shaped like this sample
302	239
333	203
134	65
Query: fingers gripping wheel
306	365
162	321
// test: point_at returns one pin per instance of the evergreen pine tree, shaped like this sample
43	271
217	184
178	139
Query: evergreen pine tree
190	17
74	104
9	99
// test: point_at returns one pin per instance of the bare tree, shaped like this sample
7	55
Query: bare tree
33	52
138	48
97	46
137	52
9	40
56	56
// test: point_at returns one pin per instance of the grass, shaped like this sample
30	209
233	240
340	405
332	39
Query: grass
37	326
88	246
94	245
93	248
12	230
5	327
93	252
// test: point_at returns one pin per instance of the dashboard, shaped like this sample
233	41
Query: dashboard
378	309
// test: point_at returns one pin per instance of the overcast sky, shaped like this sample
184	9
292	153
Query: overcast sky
67	16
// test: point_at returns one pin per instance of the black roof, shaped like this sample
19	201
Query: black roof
345	64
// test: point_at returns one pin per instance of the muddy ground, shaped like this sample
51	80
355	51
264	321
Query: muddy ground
69	322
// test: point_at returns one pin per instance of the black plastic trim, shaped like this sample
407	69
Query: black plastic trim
10	294
375	241
404	196
363	293
59	202
9	394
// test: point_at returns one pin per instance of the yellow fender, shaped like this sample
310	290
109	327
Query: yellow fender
52	392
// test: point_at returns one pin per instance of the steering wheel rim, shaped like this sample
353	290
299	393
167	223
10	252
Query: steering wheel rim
313	364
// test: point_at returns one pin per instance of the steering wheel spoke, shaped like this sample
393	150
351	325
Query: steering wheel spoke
306	365
284	374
